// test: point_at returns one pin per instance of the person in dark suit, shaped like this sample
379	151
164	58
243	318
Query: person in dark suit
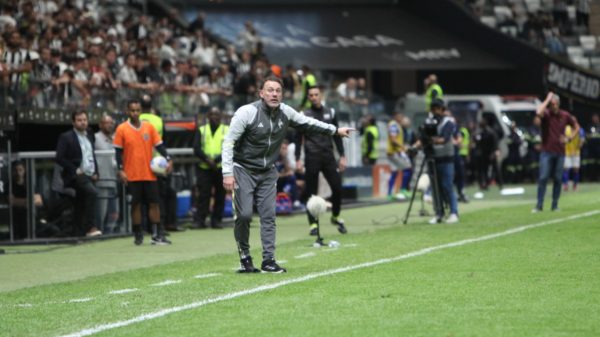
75	155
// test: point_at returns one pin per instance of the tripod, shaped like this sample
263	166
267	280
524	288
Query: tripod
437	197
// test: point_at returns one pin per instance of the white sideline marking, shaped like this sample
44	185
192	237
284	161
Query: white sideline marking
424	251
350	245
282	261
80	300
207	275
306	255
166	283
122	291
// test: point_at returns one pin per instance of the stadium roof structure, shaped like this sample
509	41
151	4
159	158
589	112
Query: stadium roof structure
353	38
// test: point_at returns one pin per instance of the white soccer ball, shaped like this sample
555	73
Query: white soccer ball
159	165
316	206
333	244
423	183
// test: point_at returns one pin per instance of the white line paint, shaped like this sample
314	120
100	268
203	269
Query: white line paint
305	256
122	291
80	300
166	283
424	251
282	261
350	245
207	275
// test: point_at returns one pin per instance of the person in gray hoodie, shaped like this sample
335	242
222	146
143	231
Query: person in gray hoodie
250	150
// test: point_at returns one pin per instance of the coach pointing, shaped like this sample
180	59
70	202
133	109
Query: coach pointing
250	149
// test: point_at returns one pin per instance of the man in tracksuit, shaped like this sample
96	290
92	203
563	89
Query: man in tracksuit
250	150
319	157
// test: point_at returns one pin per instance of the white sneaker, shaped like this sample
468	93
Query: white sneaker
433	220
400	197
453	218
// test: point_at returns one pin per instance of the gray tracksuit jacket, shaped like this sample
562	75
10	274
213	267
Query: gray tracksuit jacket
256	133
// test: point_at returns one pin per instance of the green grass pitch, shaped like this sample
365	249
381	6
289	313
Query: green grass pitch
501	271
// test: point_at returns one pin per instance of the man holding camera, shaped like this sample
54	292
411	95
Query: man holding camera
443	155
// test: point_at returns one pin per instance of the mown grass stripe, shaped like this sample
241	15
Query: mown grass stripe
424	251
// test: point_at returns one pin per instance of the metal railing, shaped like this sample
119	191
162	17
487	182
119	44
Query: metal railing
40	165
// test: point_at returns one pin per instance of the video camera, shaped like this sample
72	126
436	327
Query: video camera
428	130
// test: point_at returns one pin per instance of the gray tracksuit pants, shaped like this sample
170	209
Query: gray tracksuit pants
262	188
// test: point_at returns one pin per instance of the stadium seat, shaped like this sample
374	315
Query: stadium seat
581	61
489	21
502	13
571	12
595	62
574	52
532	5
588	42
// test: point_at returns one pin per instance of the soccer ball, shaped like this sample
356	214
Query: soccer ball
158	165
316	206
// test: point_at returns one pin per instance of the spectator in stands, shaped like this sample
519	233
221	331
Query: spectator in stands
41	78
319	157
370	140
347	90
553	42
128	78
583	13
208	141
107	206
198	23
17	66
432	90
248	37
554	122
560	12
75	155
291	82
7	18
134	143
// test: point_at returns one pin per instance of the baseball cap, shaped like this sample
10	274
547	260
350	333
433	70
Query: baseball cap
437	102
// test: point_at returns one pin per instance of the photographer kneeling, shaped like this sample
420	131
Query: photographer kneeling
436	138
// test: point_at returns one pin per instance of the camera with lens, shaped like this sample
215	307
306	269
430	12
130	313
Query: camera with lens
428	130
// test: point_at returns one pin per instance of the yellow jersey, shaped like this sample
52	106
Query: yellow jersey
395	141
573	147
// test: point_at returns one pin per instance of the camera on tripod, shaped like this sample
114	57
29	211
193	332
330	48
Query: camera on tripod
428	130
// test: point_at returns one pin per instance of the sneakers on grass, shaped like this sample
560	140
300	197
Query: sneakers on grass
246	266
452	218
160	241
270	266
339	223
138	238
